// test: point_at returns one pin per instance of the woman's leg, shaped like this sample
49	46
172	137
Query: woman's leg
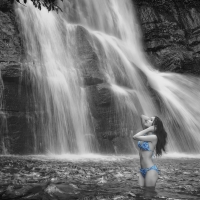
140	180
151	178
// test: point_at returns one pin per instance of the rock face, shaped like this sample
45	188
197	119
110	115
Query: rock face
110	127
171	33
171	39
15	135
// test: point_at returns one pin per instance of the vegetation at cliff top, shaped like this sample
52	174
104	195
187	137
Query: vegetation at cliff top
49	4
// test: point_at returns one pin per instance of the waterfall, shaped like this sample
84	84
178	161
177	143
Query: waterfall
113	33
59	95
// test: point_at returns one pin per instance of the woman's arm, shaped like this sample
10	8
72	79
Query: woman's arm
142	137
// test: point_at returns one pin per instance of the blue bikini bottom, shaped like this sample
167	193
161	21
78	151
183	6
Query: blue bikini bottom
145	170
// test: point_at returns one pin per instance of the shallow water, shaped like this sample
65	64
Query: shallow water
95	177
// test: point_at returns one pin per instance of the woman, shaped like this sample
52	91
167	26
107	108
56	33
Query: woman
152	137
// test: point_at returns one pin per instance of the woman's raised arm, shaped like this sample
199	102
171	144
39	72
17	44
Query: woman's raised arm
142	137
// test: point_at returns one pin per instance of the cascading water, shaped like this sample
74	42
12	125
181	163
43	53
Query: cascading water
4	139
53	61
60	100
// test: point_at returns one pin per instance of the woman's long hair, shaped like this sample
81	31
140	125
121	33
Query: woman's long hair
161	135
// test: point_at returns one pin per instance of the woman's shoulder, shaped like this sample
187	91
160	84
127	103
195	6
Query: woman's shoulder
154	137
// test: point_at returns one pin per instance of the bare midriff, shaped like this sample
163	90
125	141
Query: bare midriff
146	159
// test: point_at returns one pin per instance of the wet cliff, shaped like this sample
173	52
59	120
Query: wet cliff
171	41
15	134
171	33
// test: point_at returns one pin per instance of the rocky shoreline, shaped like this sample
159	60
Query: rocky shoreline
112	177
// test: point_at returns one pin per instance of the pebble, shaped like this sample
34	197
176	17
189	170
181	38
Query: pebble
186	173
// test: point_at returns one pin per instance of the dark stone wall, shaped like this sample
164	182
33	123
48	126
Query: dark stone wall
170	38
171	33
15	134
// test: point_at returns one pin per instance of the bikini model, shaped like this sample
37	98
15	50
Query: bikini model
154	132
144	146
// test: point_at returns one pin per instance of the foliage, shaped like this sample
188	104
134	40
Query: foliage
49	4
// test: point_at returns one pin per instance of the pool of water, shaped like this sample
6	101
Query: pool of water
96	177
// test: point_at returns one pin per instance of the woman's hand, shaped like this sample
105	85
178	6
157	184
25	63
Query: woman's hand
144	118
151	128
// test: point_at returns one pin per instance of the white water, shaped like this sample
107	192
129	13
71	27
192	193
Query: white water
60	99
4	139
51	57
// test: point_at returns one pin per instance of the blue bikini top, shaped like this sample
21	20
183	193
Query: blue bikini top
144	146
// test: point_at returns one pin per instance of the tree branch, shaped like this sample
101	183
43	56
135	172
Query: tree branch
49	4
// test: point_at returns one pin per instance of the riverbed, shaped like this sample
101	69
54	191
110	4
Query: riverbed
95	177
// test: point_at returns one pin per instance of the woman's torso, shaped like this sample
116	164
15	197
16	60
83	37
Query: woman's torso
146	153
